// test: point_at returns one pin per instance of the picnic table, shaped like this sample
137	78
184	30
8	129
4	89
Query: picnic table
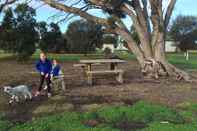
87	66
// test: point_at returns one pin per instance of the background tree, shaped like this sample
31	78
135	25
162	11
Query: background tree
18	34
83	37
150	19
8	32
9	15
27	35
42	30
110	39
52	39
184	30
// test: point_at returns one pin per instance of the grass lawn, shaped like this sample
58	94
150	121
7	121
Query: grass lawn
180	61
142	116
177	59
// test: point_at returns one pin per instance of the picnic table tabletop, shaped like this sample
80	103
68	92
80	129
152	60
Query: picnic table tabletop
102	61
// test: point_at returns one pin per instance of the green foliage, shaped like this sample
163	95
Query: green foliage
112	114
52	39
184	30
66	122
188	110
83	37
170	127
140	112
181	62
8	32
188	106
5	125
156	117
89	116
147	112
19	35
189	116
110	39
26	33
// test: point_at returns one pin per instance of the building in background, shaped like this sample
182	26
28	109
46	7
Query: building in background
170	46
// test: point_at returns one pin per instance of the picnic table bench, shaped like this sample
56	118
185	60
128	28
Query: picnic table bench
87	67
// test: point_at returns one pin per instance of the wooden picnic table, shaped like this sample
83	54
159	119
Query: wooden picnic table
113	62
87	65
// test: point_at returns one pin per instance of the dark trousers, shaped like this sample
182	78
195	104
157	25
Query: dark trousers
48	81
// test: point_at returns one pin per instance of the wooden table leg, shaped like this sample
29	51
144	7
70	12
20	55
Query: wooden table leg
89	75
113	66
119	78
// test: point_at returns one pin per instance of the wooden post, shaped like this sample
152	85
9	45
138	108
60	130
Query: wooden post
119	78
89	75
187	55
63	84
113	66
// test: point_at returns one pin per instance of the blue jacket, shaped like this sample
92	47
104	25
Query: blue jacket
45	66
56	70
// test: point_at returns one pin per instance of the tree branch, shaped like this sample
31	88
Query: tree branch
169	12
76	11
132	45
141	16
155	19
7	2
143	35
145	10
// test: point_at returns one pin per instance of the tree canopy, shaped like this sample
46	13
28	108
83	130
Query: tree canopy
18	33
184	30
51	38
83	36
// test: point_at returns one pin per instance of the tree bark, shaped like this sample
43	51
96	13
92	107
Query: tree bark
159	65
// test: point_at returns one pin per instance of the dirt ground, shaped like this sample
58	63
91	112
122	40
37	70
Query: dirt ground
80	97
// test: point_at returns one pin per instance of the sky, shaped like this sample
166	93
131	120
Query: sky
45	13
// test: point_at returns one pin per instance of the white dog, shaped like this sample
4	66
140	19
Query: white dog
18	92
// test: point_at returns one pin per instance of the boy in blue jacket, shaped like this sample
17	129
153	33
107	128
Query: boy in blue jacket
44	67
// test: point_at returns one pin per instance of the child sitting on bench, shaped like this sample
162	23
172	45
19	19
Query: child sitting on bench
57	75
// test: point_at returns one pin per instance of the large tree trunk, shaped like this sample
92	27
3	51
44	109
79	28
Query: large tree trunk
159	66
156	65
